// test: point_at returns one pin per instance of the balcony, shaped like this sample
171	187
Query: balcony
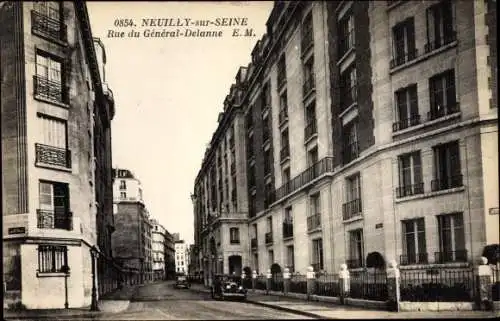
55	219
403	58
439	112
253	243
351	209
48	27
287	229
53	155
345	44
321	167
284	152
450	256
310	130
406	123
308	86
348	96
354	263
48	89
414	258
269	237
350	152
283	115
440	42
447	183
314	222
409	190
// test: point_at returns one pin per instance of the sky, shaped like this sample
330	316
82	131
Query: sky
168	93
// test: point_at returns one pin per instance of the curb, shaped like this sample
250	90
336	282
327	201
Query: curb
290	310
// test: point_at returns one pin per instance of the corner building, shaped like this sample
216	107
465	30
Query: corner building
370	134
54	110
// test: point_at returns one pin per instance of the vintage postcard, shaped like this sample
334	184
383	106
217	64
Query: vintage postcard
301	159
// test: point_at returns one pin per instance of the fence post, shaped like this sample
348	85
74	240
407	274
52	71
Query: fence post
311	281
393	286
254	279
286	281
269	277
344	282
484	295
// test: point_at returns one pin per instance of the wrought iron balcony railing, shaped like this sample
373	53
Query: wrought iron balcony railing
53	155
48	27
314	222
414	258
352	209
450	256
350	152
404	58
406	123
48	89
447	183
310	130
440	42
409	190
438	112
55	219
287	229
321	167
269	237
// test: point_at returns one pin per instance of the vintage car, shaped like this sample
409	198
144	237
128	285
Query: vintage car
228	287
181	281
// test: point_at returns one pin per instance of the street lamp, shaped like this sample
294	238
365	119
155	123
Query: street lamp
93	253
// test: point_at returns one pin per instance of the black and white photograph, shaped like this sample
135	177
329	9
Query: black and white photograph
236	160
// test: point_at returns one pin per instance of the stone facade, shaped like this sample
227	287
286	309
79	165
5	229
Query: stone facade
52	87
398	158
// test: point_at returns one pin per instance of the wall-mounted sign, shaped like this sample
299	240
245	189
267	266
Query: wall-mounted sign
494	211
17	230
379	225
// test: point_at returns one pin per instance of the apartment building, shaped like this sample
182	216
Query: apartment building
55	107
181	256
158	244
370	135
132	239
169	255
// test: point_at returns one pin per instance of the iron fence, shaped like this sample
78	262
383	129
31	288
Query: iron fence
369	285
327	284
260	282
298	283
441	285
277	282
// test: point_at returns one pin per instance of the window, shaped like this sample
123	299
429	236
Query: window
346	33
350	141
266	96
403	42
353	206
52	258
290	257
285	147
317	254
267	162
286	175
52	148
410	175
451	239
314	217
312	156
54	206
311	127
440	23
234	235
281	71
447	170
269	233
266	129
249	119
307	33
250	146
270	256
308	85
414	247
269	195
252	207
348	91
442	95
46	20
406	108
256	261
356	249
283	114
123	195
49	77
123	184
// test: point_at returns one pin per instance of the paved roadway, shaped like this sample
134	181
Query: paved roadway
161	301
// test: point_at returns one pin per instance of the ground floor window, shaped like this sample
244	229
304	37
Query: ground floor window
52	258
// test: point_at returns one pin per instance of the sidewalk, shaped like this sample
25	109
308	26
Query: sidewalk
114	302
335	311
